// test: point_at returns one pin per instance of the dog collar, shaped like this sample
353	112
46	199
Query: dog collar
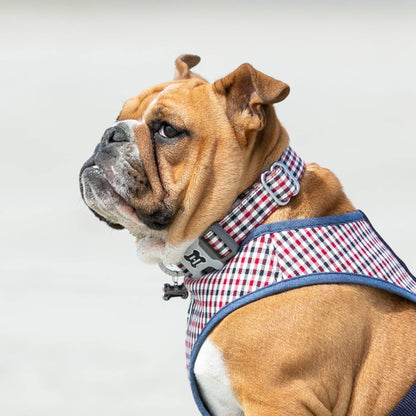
221	241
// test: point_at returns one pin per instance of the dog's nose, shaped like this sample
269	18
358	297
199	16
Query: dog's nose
114	134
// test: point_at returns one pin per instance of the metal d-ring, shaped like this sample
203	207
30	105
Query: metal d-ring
171	272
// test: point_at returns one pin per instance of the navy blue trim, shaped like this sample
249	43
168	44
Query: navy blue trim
407	406
357	215
305	223
279	287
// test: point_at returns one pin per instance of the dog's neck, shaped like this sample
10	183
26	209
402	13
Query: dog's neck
221	240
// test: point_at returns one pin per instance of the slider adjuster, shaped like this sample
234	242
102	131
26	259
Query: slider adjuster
200	258
287	172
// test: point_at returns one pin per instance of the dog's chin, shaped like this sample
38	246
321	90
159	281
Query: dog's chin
150	249
155	249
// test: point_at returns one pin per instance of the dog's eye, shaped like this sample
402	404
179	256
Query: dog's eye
166	131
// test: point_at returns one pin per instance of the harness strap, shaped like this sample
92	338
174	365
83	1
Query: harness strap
407	406
221	241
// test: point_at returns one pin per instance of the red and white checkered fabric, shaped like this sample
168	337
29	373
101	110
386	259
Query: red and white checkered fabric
352	247
256	204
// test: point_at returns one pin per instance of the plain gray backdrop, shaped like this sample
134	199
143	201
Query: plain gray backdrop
83	328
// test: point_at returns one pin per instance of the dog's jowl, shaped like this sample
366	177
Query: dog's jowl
297	305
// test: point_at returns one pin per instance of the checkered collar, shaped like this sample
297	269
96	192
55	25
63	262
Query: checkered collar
221	241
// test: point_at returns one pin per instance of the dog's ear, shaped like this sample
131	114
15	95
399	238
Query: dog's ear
183	65
247	92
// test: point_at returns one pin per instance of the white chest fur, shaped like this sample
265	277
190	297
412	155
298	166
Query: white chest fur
213	382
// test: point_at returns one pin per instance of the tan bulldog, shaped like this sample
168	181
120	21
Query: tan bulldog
176	161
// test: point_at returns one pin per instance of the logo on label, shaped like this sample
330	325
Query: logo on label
195	258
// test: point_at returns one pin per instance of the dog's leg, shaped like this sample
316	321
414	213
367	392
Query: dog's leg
311	352
214	383
277	356
216	390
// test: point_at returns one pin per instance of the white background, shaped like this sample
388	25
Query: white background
83	328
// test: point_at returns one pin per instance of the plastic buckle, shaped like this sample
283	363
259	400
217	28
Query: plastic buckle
291	177
200	258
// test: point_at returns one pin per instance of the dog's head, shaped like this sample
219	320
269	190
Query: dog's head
180	154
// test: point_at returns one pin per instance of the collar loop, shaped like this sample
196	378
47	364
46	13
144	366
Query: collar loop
221	241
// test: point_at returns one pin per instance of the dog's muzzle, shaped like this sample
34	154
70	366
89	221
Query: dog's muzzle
113	177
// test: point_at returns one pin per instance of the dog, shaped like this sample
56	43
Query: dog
298	307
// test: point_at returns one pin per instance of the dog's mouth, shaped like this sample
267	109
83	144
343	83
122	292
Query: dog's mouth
104	201
101	195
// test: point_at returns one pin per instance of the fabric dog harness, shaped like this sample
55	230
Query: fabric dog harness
274	258
288	255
